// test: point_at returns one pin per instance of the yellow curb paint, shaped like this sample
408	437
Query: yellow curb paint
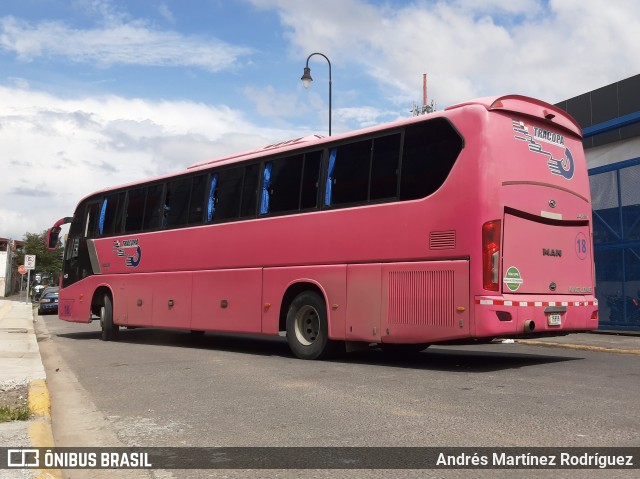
54	474
39	401
580	347
40	432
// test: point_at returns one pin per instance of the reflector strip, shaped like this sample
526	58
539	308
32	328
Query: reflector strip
537	304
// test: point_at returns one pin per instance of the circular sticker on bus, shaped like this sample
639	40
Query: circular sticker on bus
512	278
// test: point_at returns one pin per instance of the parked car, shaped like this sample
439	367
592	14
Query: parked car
48	302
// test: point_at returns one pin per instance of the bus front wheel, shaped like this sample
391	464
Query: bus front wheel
109	329
307	327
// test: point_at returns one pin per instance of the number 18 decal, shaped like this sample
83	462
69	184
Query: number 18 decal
582	246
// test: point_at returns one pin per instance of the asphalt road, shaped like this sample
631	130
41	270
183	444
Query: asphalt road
169	388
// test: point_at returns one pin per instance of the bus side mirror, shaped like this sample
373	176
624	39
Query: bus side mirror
52	238
53	235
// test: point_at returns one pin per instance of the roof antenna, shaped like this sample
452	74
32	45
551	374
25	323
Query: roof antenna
426	108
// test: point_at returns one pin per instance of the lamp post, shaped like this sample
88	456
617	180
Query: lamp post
306	80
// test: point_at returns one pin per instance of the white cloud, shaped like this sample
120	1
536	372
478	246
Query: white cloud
363	116
166	13
270	103
56	151
116	43
551	50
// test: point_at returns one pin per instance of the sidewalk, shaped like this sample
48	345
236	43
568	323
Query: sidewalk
604	341
22	375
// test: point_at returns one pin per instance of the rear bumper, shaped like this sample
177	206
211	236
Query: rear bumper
48	308
520	315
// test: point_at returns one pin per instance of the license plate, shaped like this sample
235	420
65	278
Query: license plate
554	320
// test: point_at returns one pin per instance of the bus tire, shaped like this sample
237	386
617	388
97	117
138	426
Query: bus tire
109	329
307	327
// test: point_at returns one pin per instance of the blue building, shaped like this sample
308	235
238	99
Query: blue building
610	119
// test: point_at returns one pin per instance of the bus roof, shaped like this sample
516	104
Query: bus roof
273	147
515	103
525	105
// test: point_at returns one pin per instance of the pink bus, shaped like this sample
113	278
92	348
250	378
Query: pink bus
463	225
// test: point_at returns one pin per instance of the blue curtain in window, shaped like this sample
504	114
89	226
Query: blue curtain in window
211	204
103	212
266	183
329	187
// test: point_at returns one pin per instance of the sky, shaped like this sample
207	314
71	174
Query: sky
97	93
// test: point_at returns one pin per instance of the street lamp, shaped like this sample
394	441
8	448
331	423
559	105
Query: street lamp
306	81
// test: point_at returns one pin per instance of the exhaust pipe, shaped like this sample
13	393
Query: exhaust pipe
529	326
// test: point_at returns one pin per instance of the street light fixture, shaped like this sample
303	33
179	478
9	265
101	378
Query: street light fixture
306	80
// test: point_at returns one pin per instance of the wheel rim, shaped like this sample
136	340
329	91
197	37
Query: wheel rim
102	315
307	325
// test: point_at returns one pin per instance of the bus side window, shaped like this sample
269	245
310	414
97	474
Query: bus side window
267	191
135	210
196	200
153	209
111	214
281	185
212	198
384	167
287	184
430	150
92	218
310	180
176	203
350	178
229	194
250	190
363	171
103	213
328	193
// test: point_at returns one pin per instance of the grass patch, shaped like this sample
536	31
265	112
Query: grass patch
8	413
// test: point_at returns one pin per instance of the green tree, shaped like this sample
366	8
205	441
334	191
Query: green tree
48	262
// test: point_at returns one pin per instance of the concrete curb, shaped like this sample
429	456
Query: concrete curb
581	347
39	403
40	431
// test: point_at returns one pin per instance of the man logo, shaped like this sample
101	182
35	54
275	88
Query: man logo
552	252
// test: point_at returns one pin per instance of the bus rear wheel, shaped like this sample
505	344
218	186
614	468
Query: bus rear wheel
308	329
109	329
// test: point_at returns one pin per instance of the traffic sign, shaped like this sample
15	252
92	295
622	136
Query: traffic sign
29	261
22	269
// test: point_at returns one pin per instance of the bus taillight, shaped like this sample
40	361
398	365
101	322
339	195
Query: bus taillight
491	255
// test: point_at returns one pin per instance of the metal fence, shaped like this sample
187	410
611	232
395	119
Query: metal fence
615	191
